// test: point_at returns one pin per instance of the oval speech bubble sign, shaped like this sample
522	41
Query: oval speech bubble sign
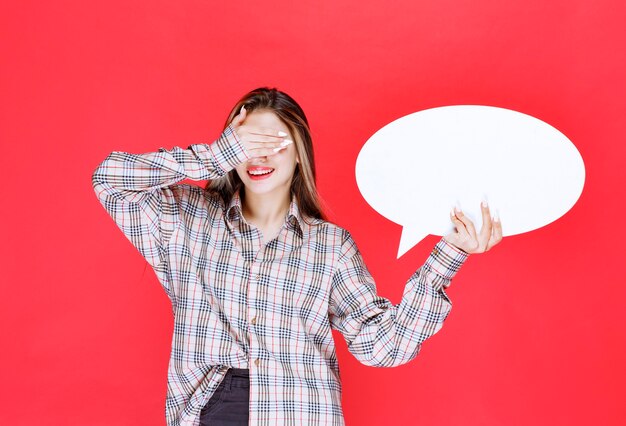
415	169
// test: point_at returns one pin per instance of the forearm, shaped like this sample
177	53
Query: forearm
125	175
383	335
138	190
395	335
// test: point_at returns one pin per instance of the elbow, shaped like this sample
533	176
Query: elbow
98	182
98	175
95	177
103	178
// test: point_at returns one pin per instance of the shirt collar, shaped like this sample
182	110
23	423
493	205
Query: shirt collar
234	212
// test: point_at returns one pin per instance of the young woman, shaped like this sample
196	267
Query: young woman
258	278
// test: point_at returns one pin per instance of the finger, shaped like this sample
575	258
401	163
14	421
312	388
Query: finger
485	231
266	131
460	226
496	236
258	138
240	118
255	146
266	152
469	225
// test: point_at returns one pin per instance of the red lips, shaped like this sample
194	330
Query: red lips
259	172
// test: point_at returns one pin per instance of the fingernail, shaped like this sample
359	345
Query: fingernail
279	148
496	216
286	142
281	133
484	203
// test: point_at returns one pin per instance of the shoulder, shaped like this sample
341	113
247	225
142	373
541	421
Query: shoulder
324	227
332	236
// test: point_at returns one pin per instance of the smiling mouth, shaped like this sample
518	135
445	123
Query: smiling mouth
260	173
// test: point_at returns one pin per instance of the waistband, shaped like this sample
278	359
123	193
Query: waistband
238	372
236	378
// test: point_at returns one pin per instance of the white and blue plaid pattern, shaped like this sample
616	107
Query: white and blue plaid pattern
269	308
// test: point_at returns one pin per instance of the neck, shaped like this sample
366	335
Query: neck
266	209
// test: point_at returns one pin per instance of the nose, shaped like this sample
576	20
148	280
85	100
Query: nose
258	160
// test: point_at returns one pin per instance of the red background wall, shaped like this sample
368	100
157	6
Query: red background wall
537	332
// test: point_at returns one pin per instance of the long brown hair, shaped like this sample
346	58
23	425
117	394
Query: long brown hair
303	184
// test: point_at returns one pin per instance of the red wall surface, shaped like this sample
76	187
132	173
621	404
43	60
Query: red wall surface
537	332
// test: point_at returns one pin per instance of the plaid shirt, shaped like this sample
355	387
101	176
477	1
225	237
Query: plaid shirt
267	307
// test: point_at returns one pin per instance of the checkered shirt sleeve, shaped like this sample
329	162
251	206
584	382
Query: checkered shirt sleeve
139	191
377	332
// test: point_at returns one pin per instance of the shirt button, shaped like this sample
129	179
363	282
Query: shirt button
257	277
253	321
257	362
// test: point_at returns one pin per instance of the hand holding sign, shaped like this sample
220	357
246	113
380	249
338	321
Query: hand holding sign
413	170
465	236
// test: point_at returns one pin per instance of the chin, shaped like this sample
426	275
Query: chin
266	188
257	190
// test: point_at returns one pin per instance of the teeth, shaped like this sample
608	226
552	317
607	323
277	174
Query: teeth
260	172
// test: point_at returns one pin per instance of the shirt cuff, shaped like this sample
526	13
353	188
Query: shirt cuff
445	260
228	151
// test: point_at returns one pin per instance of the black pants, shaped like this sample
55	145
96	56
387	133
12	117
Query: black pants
229	405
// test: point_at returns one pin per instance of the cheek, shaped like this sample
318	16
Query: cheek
290	162
241	171
293	156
